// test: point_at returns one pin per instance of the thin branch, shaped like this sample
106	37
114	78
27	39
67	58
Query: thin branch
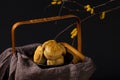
73	41
103	4
110	10
77	3
71	10
88	17
64	30
106	11
60	11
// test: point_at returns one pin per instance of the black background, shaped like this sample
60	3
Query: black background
97	35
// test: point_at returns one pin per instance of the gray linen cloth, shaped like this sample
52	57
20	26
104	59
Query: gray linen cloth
21	67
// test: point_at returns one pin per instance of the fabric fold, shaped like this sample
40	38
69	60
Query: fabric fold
22	67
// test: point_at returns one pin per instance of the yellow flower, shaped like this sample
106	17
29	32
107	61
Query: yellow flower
56	2
87	6
74	33
59	2
102	16
92	11
53	3
89	9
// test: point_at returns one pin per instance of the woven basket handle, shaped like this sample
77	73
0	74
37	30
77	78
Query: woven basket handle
42	20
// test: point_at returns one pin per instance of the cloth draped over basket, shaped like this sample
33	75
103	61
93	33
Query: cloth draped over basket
20	66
